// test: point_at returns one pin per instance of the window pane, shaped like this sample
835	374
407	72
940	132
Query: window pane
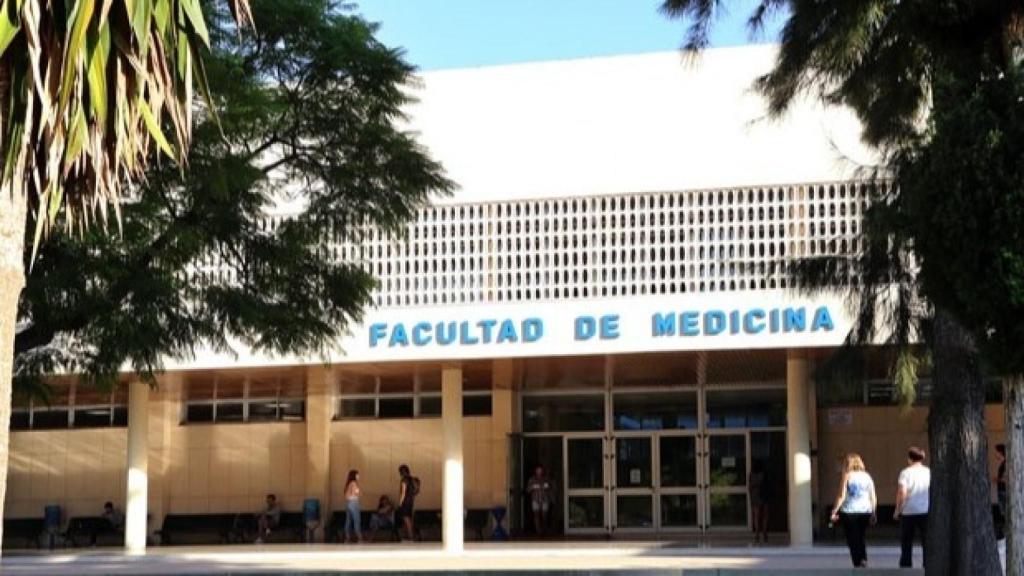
352	383
669	411
263	386
357	408
92	417
196	413
261	410
229	411
563	413
476	405
50	419
19	420
230	387
395	408
199	387
120	416
293	410
430	405
396	383
634	512
746	408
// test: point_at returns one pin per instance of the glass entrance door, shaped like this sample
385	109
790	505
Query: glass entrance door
726	481
634	483
678	481
586	508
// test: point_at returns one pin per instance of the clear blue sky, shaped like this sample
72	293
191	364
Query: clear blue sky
463	33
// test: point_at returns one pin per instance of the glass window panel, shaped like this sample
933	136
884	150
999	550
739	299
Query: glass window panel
586	463
634	512
746	408
633	462
661	411
92	417
728	509
476	405
120	416
563	413
197	413
50	419
430	380
679	510
19	420
293	410
358	408
261	410
727	460
586	512
229	411
678	461
430	405
395	407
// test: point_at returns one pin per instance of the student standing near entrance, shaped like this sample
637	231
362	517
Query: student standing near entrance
539	489
912	504
408	488
855	505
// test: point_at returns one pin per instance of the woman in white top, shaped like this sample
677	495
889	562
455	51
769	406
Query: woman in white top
352	510
855	505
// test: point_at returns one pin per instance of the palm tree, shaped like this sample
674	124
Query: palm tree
881	59
87	89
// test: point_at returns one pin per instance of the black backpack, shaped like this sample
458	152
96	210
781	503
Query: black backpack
414	485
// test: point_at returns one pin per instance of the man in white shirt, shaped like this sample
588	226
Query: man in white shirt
912	503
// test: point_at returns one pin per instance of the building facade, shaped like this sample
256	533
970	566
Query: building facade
606	296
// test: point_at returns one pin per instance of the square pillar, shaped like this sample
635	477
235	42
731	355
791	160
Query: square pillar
798	449
136	505
319	411
452	505
164	417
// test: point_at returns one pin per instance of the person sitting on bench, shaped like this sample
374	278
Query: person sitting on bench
268	518
383	518
114	522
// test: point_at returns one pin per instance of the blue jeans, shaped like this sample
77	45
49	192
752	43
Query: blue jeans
352	517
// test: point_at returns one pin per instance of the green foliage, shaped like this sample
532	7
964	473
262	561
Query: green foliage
962	197
311	103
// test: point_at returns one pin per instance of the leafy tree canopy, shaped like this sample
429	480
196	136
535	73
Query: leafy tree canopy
307	110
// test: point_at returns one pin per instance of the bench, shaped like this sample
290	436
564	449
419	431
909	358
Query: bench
23	532
334	531
193	529
92	531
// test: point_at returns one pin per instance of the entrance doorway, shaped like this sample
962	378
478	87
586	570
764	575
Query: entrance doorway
667	462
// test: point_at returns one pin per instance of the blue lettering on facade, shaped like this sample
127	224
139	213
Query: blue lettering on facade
533	329
507	332
610	327
689	323
420	334
822	320
794	320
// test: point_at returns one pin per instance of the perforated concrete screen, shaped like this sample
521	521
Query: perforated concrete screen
612	245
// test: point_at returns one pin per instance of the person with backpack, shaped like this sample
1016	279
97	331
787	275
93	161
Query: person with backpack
408	489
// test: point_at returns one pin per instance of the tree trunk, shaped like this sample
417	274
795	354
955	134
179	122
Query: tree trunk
1013	401
12	280
961	537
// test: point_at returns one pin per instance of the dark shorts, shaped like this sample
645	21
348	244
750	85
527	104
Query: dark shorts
404	511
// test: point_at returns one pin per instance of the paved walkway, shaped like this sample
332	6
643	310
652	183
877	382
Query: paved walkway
578	559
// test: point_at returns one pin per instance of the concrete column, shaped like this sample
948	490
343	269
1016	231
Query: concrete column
137	506
451	425
319	411
503	424
798	449
164	417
